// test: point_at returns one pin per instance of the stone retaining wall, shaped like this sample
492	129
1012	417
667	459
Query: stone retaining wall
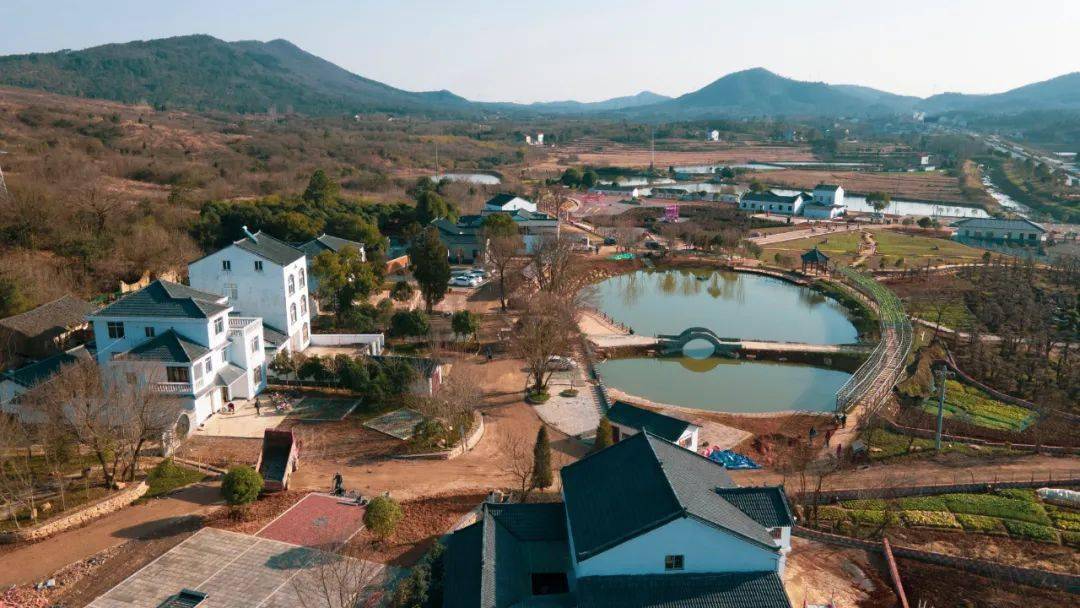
929	434
470	442
106	505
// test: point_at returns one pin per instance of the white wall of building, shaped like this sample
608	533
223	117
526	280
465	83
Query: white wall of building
703	547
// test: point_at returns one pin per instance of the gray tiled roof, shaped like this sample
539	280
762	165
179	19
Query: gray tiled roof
269	248
767	506
828	187
327	242
990	223
769	196
166	299
501	199
56	316
639	418
274	336
727	590
169	347
39	371
607	507
229	374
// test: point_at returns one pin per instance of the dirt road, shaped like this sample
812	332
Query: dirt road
31	563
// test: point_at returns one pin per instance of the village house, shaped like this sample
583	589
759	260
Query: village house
16	382
319	244
506	203
261	277
625	191
44	331
1018	230
770	202
628	420
464	239
185	343
642	523
827	202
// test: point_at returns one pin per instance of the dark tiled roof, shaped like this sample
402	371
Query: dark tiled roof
606	506
640	418
165	299
490	562
728	590
38	372
990	223
274	336
269	248
327	242
814	255
767	506
828	187
501	199
169	347
769	196
54	317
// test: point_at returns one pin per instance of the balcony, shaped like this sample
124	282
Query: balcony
173	388
237	325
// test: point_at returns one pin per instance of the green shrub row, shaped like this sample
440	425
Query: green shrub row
997	506
930	519
1023	529
980	523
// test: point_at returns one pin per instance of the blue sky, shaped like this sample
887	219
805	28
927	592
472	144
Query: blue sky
590	50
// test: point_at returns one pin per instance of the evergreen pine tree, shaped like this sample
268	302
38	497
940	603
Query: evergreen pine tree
541	473
603	435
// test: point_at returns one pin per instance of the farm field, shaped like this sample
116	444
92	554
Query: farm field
923	186
976	407
915	250
1017	513
606	153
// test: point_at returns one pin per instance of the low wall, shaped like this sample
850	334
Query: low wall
106	505
470	442
994	570
375	341
930	434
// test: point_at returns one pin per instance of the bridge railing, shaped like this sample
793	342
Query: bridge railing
874	379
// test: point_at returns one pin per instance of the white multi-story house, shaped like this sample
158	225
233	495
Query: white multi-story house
184	342
261	277
770	202
827	202
642	523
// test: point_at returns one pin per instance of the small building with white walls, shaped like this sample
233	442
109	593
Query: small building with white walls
505	203
628	420
261	277
770	202
994	229
827	202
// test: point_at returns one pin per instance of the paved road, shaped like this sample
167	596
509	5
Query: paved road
36	562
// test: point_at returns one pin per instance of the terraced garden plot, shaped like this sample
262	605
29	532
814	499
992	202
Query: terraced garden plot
1015	513
398	423
973	406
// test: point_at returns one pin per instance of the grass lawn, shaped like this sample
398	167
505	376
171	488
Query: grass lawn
915	250
976	407
954	312
1018	513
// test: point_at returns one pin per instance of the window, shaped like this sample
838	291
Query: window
292	284
303	281
256	375
176	374
305	333
258	265
230	291
149	331
255	344
549	583
197	371
116	329
292	312
219	325
209	365
673	562
303	306
226	265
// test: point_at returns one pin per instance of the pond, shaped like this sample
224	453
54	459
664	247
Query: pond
726	385
735	305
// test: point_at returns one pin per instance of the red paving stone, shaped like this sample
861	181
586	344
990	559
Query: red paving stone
316	520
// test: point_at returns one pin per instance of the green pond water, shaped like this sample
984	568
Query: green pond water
735	305
725	385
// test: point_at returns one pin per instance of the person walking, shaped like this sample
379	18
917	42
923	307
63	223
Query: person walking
843	420
828	437
258	406
812	434
839	451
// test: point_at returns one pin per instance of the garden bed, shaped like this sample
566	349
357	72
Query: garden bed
973	406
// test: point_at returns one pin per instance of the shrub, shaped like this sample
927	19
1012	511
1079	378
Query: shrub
168	476
409	323
834	514
241	485
382	516
538	397
1071	538
423	587
1019	494
867	517
1066	524
569	392
1028	530
930	519
980	523
604	436
873	504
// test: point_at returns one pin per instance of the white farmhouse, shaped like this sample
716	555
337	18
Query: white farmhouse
184	343
628	420
261	277
994	229
827	202
770	202
506	203
642	523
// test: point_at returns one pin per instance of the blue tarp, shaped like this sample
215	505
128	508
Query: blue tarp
733	460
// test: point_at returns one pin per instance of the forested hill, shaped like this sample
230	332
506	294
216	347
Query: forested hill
204	73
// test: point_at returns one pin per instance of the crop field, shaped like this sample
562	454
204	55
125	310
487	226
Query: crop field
900	250
973	406
600	153
1017	513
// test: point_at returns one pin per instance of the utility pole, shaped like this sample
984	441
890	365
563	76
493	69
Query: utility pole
3	184
941	374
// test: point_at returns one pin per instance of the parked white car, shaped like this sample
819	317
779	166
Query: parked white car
465	281
562	364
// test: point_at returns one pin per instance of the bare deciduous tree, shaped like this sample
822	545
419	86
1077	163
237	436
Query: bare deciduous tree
516	460
501	251
345	579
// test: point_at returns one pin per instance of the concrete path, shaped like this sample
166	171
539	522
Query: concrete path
572	415
244	423
36	562
795	235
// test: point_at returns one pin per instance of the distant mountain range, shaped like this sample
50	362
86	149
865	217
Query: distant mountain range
203	73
